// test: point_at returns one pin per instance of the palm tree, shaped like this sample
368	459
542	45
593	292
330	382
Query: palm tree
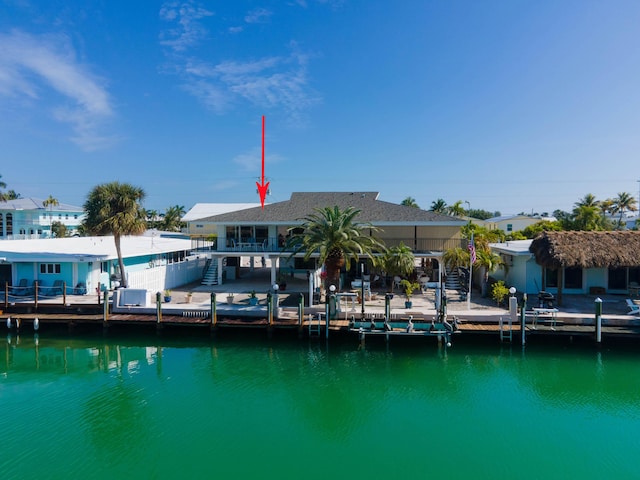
334	234
439	206
3	196
456	257
50	202
489	262
623	202
606	206
114	209
589	200
398	260
409	202
173	218
457	210
12	195
152	218
587	218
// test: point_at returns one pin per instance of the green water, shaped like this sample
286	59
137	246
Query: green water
150	407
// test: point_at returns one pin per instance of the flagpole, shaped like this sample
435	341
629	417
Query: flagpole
472	258
469	292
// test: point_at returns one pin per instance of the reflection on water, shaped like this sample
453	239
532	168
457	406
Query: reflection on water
154	406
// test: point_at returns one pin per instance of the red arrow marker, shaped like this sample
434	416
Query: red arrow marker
262	187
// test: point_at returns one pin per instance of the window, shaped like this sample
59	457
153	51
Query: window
9	224
49	268
617	278
1	226
573	277
509	227
550	278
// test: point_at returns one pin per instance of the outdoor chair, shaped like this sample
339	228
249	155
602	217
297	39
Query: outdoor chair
56	288
635	308
22	288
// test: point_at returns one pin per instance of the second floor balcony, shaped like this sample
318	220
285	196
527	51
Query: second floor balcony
273	244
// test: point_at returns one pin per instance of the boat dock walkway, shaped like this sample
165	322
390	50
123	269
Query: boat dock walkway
206	307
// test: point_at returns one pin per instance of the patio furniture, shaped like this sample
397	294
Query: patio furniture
357	286
56	288
635	308
545	299
634	289
22	288
551	313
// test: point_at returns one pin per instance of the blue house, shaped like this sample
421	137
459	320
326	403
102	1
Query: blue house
88	264
572	262
28	218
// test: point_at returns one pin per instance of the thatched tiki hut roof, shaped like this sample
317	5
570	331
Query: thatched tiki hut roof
558	250
587	249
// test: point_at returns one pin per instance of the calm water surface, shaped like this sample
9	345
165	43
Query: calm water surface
153	407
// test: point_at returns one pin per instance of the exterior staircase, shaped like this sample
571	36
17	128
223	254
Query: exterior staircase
210	276
453	280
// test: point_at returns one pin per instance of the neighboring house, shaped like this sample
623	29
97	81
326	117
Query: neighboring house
521	270
573	262
203	210
28	218
258	232
514	223
152	262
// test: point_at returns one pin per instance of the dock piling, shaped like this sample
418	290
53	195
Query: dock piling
214	308
158	307
598	304
523	317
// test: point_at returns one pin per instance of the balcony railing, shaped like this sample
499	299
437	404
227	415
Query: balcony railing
273	244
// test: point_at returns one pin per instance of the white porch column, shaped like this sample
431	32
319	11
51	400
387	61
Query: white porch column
275	262
220	263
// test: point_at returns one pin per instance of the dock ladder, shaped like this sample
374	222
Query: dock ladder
506	330
314	325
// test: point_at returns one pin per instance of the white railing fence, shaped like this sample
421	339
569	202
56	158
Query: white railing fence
158	279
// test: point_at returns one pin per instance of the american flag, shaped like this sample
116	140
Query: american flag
472	250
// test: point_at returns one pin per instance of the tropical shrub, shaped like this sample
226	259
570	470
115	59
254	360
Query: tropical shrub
499	292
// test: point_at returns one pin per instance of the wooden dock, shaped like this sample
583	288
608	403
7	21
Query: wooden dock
25	318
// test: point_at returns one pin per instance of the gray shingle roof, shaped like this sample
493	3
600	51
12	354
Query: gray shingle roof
301	204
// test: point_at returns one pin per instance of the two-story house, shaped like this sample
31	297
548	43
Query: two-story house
29	218
261	233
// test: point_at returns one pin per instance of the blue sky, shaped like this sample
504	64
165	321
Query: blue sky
509	105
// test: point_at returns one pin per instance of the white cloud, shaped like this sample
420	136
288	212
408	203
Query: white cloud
212	96
270	82
258	15
188	31
251	161
30	64
276	81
